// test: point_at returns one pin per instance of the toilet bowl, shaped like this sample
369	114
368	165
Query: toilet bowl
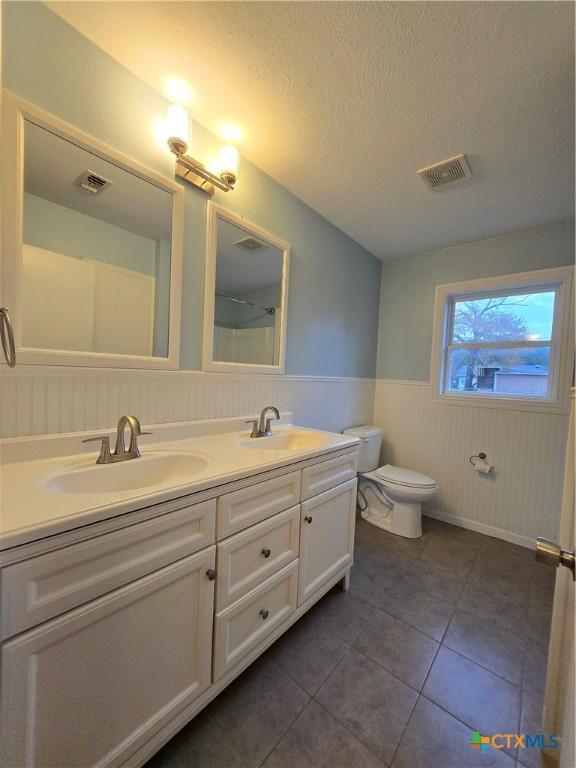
389	497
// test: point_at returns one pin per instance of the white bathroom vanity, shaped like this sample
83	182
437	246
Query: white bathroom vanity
133	593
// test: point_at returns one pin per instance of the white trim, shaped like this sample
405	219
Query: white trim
404	382
215	212
563	359
15	112
33	371
474	525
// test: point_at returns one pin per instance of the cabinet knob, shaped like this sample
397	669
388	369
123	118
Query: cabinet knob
211	573
266	552
264	613
308	518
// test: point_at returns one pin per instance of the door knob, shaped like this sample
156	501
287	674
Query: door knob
211	573
264	613
550	553
266	552
308	518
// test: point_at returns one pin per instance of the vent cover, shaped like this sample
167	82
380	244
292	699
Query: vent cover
250	243
92	182
445	172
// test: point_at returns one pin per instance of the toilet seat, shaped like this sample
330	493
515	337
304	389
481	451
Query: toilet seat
405	478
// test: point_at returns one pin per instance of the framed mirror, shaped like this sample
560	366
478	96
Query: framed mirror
246	293
93	248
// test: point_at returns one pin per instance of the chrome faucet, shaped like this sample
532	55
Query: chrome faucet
120	452
261	427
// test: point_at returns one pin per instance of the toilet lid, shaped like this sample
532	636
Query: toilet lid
404	477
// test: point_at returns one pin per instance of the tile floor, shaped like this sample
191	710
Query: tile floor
437	637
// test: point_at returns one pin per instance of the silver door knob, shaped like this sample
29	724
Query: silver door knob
550	553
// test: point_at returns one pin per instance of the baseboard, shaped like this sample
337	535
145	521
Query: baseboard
474	525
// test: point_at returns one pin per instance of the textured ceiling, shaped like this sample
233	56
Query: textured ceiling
343	102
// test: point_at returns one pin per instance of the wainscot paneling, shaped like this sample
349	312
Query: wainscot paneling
38	400
519	501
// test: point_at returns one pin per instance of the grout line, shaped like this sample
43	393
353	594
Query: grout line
354	735
290	724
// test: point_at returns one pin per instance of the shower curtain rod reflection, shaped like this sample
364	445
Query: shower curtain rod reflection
268	310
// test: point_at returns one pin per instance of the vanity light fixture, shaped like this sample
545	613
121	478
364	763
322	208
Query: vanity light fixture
224	171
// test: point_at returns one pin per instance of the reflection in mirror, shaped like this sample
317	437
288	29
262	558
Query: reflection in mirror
248	297
96	252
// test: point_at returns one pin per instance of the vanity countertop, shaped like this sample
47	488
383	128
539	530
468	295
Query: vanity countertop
48	489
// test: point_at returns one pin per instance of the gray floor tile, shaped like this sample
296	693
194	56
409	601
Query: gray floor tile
488	644
342	613
256	710
531	722
435	739
535	663
419	609
400	649
308	652
316	740
369	702
458	556
373	588
201	744
492	600
474	695
437	580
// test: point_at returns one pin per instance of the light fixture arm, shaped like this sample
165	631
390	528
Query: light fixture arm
196	172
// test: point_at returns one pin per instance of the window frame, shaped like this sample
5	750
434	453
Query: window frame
561	344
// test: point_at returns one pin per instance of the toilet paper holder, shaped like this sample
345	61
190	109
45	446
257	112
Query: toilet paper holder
480	464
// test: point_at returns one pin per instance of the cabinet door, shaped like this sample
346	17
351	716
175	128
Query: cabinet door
91	686
326	537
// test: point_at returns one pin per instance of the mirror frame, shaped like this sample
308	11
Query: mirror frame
15	111
216	212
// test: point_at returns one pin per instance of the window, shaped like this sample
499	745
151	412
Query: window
504	339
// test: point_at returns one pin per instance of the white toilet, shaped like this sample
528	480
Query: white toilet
392	496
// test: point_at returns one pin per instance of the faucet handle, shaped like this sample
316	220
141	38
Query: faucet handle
254	423
104	456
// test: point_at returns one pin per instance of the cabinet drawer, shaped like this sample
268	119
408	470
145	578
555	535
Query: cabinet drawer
249	621
321	477
45	586
249	558
247	506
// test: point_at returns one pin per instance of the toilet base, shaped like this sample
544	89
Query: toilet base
403	519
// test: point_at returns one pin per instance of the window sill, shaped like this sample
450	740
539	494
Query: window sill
505	403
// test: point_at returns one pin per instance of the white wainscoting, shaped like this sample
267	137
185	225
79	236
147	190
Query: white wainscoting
36	400
518	502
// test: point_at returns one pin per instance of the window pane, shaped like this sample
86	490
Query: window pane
500	372
505	318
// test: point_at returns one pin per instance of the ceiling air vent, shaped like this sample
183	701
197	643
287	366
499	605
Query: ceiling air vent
93	183
445	172
250	243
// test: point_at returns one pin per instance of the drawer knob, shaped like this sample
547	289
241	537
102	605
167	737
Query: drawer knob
266	552
308	518
264	613
211	573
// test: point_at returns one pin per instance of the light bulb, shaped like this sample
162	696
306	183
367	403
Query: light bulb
177	129
227	164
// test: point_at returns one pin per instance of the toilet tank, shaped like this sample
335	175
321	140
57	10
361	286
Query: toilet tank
370	444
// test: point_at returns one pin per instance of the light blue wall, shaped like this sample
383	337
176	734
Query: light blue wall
334	282
57	228
408	285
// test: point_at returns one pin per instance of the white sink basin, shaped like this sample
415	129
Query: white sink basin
144	472
295	440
